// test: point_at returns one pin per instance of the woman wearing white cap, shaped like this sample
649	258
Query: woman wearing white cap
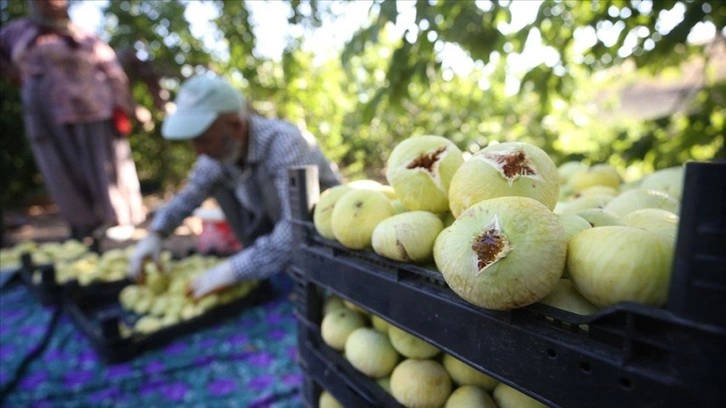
242	161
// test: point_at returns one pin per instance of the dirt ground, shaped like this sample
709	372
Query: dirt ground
41	222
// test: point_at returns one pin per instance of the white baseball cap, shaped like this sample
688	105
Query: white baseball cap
201	99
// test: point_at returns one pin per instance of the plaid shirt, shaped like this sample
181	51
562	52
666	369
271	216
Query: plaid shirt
274	147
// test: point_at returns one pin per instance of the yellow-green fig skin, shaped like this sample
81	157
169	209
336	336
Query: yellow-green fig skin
567	169
364	184
356	215
527	267
324	210
407	237
652	219
447	218
371	352
614	264
327	400
420	383
505	169
566	297
598	175
582	203
464	374
384	383
332	303
469	396
352	306
598	191
638	199
409	345
565	192
573	223
669	181
420	170
629	185
368	184
398	206
598	217
508	397
338	325
380	324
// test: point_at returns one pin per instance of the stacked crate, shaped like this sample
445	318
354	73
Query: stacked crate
626	355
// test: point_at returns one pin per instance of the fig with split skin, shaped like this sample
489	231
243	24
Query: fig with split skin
505	169
420	170
502	253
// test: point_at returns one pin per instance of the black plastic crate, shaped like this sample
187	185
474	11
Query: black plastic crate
318	376
97	316
329	368
626	355
309	302
320	373
49	292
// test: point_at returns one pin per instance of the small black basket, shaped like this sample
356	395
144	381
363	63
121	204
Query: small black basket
49	292
98	315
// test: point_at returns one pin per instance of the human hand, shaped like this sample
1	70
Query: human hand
149	247
213	279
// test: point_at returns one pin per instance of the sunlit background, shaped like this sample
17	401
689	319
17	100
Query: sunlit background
637	84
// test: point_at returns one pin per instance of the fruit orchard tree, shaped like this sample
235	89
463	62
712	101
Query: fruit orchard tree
383	87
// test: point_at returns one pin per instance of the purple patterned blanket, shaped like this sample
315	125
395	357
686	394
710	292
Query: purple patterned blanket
245	361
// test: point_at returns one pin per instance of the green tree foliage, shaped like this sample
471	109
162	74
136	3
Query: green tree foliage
157	32
662	142
381	88
18	174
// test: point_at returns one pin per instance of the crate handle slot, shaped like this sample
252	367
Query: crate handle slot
47	274
109	327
